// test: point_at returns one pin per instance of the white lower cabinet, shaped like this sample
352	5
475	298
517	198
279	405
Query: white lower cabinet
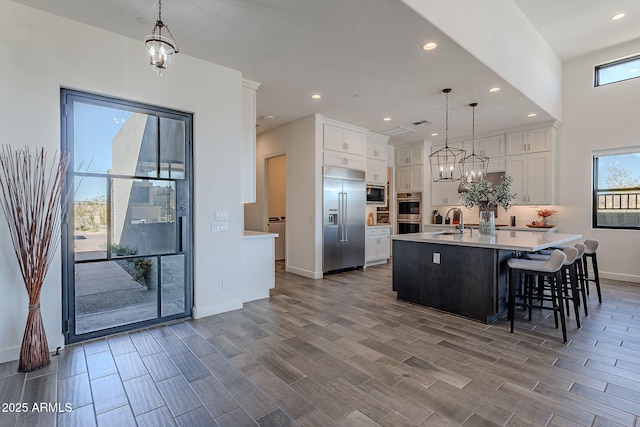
376	248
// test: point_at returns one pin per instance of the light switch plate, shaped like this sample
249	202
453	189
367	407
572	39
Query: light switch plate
436	258
221	215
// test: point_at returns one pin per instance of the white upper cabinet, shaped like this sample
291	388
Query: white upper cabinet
445	193
409	178
532	178
377	147
343	140
493	146
407	156
530	141
376	172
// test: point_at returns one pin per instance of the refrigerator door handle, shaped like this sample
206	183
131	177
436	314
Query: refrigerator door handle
345	217
341	216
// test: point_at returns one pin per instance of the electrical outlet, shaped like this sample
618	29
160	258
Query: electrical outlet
436	258
225	283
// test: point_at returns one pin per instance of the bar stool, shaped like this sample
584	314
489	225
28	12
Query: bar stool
570	282
581	283
590	252
531	269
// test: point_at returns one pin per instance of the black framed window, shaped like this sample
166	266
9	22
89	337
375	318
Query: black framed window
616	189
617	71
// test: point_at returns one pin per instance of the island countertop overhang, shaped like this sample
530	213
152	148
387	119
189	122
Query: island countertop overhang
524	241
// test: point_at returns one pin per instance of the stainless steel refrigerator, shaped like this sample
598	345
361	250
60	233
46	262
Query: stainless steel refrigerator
344	212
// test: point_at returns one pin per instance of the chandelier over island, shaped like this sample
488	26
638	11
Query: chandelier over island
473	166
445	162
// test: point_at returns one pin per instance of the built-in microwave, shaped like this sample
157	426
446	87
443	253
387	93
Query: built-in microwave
376	195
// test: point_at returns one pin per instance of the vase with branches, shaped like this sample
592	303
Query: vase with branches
488	197
32	199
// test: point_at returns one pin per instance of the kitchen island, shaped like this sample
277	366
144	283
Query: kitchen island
463	273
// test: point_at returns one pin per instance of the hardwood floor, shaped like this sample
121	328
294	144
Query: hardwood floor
343	351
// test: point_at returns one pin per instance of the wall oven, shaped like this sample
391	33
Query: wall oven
409	217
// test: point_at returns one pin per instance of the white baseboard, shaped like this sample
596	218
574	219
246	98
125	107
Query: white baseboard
618	276
210	310
9	354
303	272
372	263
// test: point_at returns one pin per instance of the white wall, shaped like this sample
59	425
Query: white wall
595	119
39	53
303	195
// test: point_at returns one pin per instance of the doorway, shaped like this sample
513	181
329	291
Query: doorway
276	175
127	241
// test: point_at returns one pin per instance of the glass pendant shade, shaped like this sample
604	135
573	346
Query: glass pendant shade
445	162
473	167
161	48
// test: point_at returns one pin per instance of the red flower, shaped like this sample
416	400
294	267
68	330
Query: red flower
545	213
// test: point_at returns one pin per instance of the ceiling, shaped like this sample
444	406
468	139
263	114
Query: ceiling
363	56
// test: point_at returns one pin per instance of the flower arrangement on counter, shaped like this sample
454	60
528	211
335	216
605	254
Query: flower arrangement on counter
546	213
488	197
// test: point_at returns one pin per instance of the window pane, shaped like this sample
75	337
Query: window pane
90	218
617	191
618	71
172	142
143	217
173	286
106	137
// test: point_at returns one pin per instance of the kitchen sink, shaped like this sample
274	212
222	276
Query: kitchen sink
446	232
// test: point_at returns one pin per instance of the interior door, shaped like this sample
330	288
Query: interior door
127	240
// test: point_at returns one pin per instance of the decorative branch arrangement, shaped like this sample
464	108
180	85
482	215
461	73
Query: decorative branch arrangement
32	201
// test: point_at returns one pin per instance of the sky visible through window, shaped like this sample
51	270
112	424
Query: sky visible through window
94	129
618	72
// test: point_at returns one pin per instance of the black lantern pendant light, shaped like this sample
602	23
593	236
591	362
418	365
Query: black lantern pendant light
473	166
445	162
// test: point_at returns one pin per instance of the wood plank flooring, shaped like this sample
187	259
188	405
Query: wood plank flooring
343	351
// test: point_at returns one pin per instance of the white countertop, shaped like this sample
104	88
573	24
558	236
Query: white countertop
251	234
510	240
498	227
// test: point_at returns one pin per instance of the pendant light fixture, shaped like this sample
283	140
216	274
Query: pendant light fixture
445	162
473	166
161	48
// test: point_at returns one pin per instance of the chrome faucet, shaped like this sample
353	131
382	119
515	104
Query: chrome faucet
461	225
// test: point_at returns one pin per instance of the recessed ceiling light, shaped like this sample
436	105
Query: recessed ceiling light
429	46
494	89
617	16
434	134
532	114
316	96
387	119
